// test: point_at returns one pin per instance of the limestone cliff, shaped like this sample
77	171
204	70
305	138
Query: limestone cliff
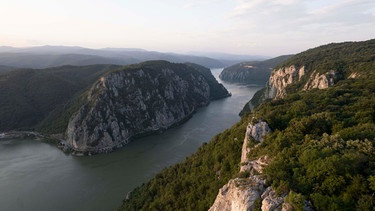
244	193
295	78
280	79
249	192
139	100
316	68
256	72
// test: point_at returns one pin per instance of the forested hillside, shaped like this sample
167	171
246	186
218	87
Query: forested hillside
254	72
28	96
321	147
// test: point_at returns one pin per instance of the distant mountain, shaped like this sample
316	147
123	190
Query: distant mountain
45	99
5	69
52	56
254	72
230	59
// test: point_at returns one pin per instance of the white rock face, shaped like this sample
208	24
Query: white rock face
257	131
271	201
242	193
322	81
280	79
239	194
126	104
354	75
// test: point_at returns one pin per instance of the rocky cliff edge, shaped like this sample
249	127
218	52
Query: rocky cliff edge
139	100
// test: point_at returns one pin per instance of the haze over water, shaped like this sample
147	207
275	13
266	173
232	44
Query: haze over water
38	176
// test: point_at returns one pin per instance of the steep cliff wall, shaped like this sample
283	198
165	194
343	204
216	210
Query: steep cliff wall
293	78
244	193
250	192
139	100
256	72
316	68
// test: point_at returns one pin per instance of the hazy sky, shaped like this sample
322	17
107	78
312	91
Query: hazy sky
267	27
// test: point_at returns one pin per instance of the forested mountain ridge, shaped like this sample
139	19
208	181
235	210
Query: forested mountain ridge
53	56
138	100
319	67
30	97
123	103
320	154
255	72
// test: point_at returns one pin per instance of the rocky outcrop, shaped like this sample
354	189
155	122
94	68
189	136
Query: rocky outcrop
139	100
239	194
244	193
321	81
256	72
280	79
251	193
270	200
255	131
245	73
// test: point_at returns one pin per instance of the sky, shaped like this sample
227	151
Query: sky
252	27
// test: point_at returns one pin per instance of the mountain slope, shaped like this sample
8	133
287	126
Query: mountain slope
321	149
256	72
137	100
319	67
28	96
52	56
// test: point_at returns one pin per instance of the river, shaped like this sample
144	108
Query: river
38	176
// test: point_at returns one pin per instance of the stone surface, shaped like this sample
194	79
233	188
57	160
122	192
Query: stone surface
321	81
280	79
256	131
239	194
271	201
138	101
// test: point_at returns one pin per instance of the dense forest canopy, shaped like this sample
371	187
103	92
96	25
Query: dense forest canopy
322	144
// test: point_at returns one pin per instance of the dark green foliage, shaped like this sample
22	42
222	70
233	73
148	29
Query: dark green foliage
193	184
255	72
335	56
323	145
296	200
345	58
29	96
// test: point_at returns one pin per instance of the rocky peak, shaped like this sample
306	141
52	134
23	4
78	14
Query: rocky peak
281	78
257	131
251	193
321	81
136	101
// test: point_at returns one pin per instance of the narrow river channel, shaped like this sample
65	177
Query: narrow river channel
38	176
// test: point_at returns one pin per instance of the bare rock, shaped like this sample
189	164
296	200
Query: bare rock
271	201
239	194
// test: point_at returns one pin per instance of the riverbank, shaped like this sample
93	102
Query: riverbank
20	135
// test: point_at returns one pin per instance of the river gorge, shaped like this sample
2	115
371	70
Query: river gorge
38	176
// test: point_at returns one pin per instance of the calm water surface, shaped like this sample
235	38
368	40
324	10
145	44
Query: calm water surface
38	176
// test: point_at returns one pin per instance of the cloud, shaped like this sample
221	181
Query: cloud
301	23
295	15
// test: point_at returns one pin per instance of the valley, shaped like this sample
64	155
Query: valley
38	176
